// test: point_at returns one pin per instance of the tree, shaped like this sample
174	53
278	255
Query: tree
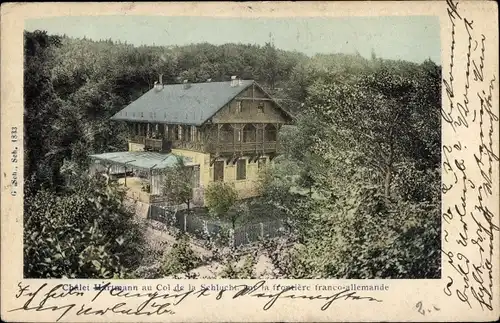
277	180
361	237
85	231
40	109
355	143
270	67
367	117
220	197
178	183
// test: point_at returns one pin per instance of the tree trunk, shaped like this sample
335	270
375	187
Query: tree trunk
389	170
387	182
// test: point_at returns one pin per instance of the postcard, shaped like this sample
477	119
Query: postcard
250	161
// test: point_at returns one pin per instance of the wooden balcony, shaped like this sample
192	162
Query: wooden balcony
243	148
221	148
153	144
137	139
149	143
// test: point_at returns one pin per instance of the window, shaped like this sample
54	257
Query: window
262	163
196	176
249	133
155	131
219	171
270	133
238	106
193	133
226	133
260	108
186	130
239	136
241	169
142	114
175	132
179	132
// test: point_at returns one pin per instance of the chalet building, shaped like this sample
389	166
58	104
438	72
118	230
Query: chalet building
226	131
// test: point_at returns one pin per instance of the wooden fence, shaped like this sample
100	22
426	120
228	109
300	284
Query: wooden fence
215	230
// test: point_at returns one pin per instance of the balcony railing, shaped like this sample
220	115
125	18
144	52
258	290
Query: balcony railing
153	144
137	139
244	147
149	143
214	148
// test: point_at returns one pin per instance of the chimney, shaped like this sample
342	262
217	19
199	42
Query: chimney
159	84
158	87
234	81
187	85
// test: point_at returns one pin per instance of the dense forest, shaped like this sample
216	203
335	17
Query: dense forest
359	178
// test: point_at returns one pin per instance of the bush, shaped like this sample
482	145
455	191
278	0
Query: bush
82	232
277	181
233	270
220	198
419	185
363	236
181	258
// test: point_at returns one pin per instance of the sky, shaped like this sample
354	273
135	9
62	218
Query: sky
411	38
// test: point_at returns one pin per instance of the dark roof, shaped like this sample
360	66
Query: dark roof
175	104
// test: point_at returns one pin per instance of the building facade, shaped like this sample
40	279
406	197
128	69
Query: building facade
228	129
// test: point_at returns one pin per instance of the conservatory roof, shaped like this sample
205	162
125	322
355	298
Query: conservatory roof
142	159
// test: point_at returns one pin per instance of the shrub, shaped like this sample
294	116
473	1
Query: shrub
365	236
233	270
84	231
181	258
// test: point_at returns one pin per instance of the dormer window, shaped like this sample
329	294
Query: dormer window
238	106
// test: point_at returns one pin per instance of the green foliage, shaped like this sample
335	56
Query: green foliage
220	197
360	237
178	184
233	269
359	179
83	232
277	180
361	143
180	258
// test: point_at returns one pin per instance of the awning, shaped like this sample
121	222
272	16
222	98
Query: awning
144	160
